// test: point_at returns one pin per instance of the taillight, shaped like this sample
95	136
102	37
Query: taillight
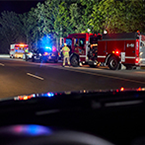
116	52
122	89
137	60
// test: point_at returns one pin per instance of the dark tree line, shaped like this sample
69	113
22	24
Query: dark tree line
58	18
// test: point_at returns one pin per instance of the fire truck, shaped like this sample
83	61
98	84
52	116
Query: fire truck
17	50
113	50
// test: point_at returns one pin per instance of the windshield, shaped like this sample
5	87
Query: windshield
48	31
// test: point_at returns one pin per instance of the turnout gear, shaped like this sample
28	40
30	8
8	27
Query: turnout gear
65	51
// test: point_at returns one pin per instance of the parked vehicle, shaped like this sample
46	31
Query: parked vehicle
108	49
17	50
46	54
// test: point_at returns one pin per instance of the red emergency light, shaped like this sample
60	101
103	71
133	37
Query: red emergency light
21	45
53	49
137	60
122	89
46	53
116	52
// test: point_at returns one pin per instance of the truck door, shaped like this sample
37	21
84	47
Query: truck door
102	47
130	51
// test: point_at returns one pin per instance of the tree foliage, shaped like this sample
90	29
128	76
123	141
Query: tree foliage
119	16
58	18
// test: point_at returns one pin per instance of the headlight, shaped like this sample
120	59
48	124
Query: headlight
40	54
141	53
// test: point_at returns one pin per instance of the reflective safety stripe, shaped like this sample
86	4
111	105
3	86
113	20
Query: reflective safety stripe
129	57
83	55
101	56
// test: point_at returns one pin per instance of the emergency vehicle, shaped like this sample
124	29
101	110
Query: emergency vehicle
47	54
110	49
17	50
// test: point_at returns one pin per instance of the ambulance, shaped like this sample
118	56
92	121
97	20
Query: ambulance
17	50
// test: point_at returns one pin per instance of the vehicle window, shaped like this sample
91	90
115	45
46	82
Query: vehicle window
75	42
81	42
69	42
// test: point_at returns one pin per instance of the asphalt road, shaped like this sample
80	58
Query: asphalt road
18	77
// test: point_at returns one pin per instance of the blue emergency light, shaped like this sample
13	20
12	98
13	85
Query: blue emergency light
48	48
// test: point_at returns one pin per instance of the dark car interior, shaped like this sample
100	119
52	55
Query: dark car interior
114	116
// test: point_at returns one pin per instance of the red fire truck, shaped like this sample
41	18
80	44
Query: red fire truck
108	49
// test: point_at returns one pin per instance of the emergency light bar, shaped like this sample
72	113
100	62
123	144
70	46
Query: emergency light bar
21	45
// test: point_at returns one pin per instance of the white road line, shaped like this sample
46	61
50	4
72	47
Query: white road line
35	76
2	64
92	73
123	103
47	112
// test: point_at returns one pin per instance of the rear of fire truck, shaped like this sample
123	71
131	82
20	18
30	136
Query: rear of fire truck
142	50
117	50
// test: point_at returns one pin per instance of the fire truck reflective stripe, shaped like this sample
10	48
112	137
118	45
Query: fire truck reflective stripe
101	56
129	57
83	55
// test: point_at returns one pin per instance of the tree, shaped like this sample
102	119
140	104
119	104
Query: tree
10	27
118	16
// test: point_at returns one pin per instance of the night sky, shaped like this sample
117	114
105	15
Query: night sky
18	6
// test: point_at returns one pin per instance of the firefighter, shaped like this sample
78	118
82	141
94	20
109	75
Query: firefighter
65	51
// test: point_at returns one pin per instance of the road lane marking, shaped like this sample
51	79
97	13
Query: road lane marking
29	74
47	112
101	75
110	104
2	64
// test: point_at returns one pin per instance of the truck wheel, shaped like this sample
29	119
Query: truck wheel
113	63
12	56
74	61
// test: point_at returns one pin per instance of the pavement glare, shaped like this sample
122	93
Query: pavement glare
78	69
